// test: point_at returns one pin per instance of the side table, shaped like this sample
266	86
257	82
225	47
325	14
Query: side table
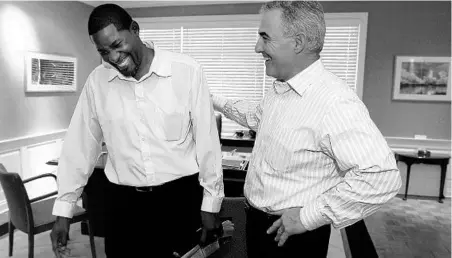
435	159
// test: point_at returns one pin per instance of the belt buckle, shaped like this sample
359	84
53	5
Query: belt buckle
144	189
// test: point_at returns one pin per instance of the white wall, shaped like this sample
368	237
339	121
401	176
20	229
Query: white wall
27	157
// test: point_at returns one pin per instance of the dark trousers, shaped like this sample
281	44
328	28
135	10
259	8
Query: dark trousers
155	223
311	244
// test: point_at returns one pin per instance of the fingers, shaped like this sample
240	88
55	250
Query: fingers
283	238
59	243
279	232
275	226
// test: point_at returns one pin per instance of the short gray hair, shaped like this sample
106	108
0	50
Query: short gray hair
301	18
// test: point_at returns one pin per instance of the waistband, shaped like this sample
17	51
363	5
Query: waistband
171	184
259	213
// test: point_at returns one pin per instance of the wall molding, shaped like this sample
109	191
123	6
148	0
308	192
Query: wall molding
20	147
30	140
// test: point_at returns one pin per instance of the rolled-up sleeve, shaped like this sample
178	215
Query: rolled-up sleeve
81	149
370	176
245	113
208	149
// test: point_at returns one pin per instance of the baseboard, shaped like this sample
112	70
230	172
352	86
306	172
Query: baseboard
30	140
422	197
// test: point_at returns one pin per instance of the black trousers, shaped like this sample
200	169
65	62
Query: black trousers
153	223
311	244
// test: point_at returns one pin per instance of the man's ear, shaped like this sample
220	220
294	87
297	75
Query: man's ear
135	28
300	43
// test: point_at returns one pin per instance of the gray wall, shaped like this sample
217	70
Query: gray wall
48	27
394	28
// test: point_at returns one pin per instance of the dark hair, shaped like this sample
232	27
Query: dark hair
106	14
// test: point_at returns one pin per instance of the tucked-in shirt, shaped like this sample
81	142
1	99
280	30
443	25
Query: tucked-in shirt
316	147
156	129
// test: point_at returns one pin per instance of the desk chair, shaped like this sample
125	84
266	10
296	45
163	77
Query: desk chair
32	216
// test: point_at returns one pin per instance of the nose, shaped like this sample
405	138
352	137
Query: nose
258	48
113	56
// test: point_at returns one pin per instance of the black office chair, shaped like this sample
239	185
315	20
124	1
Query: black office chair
32	216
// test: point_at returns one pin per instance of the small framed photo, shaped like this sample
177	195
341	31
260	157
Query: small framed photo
422	78
50	73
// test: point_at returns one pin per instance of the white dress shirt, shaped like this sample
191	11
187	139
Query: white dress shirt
316	147
157	129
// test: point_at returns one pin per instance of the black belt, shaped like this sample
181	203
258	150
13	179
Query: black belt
174	183
145	189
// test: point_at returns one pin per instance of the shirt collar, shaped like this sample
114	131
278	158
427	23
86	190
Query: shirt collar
160	65
308	76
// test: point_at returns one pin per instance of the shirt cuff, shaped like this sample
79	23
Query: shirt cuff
211	204
219	103
311	217
63	209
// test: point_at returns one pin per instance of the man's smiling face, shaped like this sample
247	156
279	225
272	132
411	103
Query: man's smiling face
121	49
277	50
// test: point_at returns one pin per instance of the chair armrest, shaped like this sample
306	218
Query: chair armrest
43	196
39	176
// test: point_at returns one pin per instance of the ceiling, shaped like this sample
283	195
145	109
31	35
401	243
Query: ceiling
135	4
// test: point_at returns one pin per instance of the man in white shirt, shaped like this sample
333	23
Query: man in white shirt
318	158
152	109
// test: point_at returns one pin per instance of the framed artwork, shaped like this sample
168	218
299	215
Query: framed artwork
422	78
50	73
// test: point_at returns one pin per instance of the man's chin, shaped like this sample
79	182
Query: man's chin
126	72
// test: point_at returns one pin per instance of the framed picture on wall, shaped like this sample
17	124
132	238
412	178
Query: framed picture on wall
422	78
50	73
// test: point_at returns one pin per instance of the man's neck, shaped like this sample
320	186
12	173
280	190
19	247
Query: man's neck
146	61
303	63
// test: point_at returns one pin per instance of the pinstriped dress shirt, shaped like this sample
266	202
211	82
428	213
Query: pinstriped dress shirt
316	147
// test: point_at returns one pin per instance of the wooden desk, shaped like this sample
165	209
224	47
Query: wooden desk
409	159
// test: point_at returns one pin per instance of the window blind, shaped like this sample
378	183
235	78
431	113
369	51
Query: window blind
234	70
340	52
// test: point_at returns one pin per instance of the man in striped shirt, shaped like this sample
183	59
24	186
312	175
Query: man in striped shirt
318	157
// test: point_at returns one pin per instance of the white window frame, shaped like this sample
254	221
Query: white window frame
213	21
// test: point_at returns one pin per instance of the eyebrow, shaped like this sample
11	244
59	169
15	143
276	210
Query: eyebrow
263	34
116	42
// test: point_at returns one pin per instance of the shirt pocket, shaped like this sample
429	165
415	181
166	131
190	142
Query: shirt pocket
174	123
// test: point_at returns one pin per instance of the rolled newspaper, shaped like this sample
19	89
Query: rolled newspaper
204	252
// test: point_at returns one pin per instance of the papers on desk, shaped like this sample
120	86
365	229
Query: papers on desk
235	160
